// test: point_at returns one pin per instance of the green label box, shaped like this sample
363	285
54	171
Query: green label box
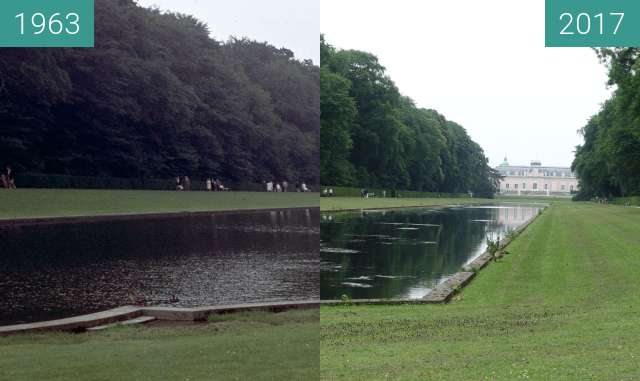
592	23
46	23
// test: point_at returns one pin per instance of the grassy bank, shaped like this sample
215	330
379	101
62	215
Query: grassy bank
344	203
564	305
248	346
32	203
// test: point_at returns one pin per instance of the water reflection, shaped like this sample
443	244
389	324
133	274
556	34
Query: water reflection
405	253
56	271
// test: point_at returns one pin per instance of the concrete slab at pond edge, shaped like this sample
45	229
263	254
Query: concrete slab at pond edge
452	285
84	322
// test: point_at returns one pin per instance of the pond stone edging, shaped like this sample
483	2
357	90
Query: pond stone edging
83	322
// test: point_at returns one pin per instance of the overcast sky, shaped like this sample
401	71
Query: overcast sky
294	24
482	64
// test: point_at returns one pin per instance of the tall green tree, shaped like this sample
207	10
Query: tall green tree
338	114
394	144
159	97
608	162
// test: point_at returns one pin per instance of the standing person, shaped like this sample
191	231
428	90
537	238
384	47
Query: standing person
209	184
187	183
285	185
9	178
304	187
178	183
278	187
269	186
297	186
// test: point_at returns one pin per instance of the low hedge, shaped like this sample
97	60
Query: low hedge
632	200
37	180
355	192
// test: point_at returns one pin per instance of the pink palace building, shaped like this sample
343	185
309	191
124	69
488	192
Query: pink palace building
536	180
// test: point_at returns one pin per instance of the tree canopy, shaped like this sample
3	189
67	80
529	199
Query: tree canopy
371	135
157	96
608	162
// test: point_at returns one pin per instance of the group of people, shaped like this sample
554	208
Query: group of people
283	186
184	184
364	193
215	185
7	179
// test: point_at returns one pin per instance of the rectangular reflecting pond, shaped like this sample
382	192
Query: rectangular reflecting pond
61	270
405	253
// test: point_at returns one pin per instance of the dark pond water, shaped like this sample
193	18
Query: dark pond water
405	253
54	271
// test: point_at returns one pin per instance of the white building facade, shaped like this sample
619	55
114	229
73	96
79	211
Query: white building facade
536	180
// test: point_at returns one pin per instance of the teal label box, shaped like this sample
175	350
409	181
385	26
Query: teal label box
592	23
46	23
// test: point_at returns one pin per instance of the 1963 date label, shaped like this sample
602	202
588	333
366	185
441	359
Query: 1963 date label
47	23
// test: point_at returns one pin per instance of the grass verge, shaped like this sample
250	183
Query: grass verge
41	203
564	305
246	346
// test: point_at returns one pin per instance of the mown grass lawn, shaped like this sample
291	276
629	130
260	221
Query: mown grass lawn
249	346
564	305
35	203
344	203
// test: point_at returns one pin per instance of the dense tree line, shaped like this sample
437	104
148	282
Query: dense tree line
158	97
608	162
373	136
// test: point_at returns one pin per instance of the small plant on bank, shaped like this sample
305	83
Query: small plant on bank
345	300
493	247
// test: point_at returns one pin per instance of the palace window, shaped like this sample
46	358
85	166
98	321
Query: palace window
571	188
562	187
546	186
515	186
506	186
524	185
535	186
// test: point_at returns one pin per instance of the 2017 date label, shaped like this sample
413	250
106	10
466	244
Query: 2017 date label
592	23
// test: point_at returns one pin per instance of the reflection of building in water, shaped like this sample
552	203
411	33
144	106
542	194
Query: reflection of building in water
514	217
536	180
